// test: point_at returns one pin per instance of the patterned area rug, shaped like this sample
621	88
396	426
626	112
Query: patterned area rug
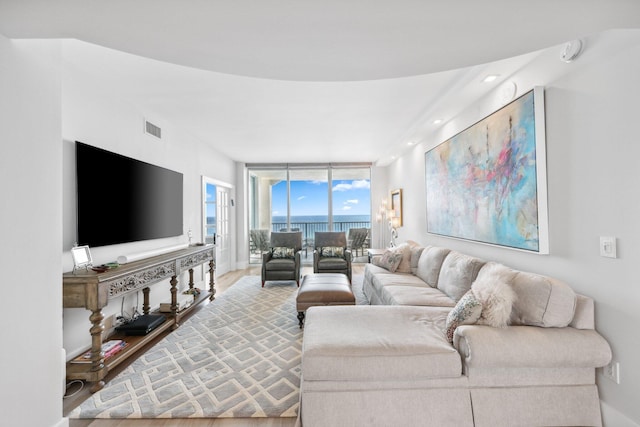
237	357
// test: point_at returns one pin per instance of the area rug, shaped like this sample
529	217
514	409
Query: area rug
237	357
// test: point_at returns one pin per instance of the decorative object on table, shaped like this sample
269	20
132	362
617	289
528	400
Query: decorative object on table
488	183
81	257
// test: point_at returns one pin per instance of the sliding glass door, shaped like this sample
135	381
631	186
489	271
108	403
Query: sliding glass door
309	203
306	198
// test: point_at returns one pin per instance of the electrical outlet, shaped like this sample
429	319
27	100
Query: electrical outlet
612	371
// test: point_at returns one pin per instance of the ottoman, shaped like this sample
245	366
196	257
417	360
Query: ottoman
323	289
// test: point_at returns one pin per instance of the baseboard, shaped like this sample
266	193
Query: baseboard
613	418
64	422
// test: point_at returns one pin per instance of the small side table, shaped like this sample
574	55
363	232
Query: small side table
374	253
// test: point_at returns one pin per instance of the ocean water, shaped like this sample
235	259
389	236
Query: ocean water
322	218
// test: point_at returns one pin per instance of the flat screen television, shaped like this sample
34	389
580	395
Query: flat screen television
121	200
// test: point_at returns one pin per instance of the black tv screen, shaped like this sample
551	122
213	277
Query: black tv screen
120	199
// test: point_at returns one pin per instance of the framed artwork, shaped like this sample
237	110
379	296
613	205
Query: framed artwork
488	183
396	206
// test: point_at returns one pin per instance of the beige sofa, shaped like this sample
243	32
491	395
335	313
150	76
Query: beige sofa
391	363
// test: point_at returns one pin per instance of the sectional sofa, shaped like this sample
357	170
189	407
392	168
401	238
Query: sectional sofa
435	348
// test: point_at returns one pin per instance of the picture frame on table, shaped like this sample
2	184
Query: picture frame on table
81	257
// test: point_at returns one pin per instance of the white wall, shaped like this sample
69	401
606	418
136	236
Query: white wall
93	113
593	147
31	228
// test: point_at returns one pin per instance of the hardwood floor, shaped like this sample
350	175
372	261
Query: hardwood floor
76	396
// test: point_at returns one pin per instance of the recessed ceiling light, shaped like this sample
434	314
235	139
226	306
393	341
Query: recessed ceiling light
437	121
490	78
411	143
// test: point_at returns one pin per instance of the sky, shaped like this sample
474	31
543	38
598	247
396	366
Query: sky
350	197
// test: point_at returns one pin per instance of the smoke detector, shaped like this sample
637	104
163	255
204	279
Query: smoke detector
571	51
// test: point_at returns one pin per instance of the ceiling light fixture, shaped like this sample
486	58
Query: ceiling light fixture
411	143
437	121
490	78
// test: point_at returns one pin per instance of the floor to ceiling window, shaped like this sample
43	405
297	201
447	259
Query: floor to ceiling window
306	198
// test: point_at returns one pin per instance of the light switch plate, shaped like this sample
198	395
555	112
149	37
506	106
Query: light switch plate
608	246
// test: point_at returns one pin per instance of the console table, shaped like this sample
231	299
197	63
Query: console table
93	291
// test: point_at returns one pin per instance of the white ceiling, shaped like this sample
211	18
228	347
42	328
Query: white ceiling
306	81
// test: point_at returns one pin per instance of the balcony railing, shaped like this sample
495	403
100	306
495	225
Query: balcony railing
309	229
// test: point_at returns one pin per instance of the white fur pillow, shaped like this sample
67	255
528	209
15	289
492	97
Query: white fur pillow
497	299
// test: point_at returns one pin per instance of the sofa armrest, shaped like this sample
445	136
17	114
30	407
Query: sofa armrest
531	347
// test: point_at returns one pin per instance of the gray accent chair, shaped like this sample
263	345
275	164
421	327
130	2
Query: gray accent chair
276	266
326	262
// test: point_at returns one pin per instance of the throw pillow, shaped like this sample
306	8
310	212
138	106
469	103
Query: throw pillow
282	252
389	260
405	262
495	295
466	312
332	251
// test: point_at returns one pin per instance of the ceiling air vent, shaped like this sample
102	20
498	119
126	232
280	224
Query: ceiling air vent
153	130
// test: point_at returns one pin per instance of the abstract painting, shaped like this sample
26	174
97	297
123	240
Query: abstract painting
488	183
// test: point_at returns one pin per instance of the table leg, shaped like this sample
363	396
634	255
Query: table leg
212	289
174	301
146	307
97	357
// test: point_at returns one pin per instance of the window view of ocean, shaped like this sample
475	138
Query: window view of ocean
322	218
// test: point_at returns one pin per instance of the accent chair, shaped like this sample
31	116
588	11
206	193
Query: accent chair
282	259
331	254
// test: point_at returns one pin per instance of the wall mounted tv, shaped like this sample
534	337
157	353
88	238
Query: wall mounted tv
120	199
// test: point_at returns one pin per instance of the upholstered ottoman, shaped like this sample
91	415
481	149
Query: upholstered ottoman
323	289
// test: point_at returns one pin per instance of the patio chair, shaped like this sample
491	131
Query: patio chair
259	240
357	240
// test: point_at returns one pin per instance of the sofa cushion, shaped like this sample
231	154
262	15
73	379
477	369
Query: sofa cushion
280	264
371	270
415	295
332	263
430	263
466	312
542	301
458	273
405	262
377	343
416	251
384	280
